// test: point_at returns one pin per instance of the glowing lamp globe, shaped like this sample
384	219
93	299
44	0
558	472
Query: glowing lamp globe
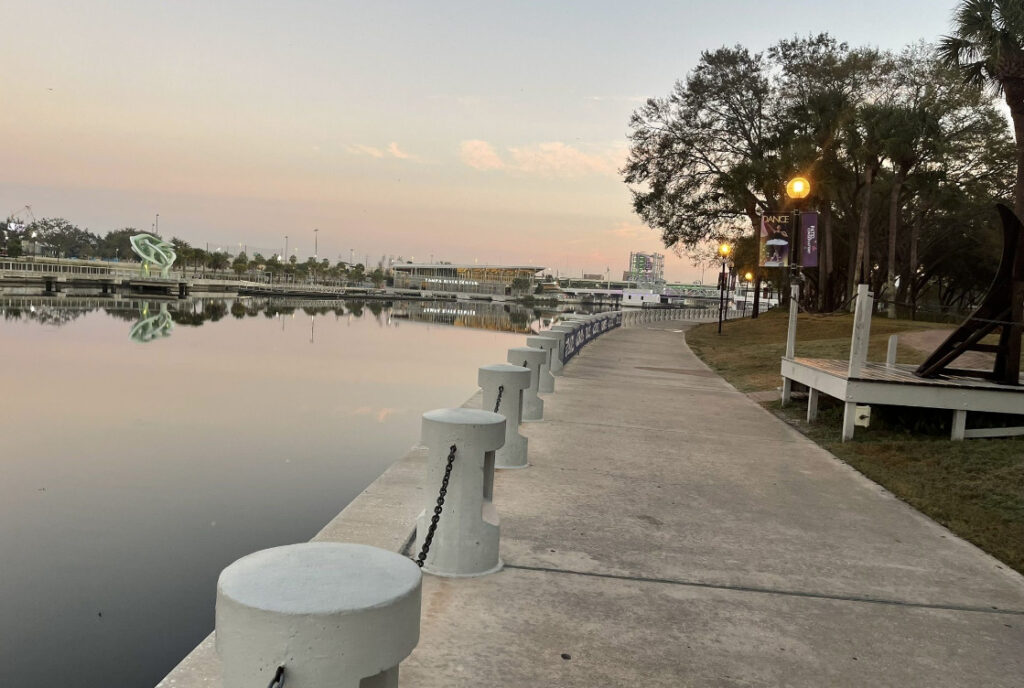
724	249
798	187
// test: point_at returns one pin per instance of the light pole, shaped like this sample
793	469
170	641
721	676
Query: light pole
797	188
749	277
723	251
316	253
157	225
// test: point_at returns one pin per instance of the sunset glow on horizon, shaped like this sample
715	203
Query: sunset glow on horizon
466	131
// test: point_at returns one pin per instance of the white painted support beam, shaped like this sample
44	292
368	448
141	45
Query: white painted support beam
861	330
979	433
890	353
812	405
849	418
959	425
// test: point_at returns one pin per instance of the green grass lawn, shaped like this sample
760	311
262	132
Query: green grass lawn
975	487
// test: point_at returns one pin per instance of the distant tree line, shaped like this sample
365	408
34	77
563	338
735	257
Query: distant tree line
66	240
906	160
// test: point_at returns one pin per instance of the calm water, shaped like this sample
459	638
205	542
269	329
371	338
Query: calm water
145	447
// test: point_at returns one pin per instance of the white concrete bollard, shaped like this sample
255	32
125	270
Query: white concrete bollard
545	380
568	330
334	615
529	357
555	363
512	380
465	542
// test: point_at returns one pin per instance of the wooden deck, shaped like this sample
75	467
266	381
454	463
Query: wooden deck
896	385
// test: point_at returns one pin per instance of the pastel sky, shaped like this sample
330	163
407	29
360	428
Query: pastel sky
487	131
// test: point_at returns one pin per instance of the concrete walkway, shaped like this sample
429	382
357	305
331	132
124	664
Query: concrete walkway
670	532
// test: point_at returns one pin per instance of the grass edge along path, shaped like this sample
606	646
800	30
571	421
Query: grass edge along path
975	487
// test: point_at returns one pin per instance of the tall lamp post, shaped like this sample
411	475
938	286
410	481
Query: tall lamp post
749	277
723	251
797	188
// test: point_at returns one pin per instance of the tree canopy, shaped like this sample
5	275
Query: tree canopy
905	160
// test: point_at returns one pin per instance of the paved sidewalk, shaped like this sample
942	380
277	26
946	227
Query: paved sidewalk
670	532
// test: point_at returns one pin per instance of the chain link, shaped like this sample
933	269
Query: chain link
437	509
278	680
497	404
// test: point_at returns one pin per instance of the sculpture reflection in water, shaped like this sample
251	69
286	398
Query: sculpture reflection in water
149	327
153	249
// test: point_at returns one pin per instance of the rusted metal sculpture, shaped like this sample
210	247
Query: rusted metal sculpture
1002	310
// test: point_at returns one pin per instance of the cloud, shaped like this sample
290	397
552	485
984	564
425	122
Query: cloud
359	149
480	155
557	159
549	159
392	151
398	153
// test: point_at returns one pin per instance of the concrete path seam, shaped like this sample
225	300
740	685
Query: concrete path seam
774	591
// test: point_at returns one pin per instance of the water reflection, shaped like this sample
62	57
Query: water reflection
147	326
131	475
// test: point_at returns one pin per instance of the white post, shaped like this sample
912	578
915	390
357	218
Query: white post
812	405
861	331
465	541
511	380
545	380
529	357
794	310
333	615
890	353
849	418
556	355
959	425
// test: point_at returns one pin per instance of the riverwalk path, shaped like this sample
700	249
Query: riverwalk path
671	532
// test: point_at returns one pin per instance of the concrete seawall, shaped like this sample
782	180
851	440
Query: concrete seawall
671	532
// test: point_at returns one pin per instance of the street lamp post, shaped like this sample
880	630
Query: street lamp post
749	277
723	251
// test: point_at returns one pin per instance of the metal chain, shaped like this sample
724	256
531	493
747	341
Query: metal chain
497	404
437	509
278	680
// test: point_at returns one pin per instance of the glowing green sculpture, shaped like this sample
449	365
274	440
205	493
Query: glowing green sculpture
153	249
149	327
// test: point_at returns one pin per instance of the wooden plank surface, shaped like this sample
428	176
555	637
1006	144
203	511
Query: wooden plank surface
902	374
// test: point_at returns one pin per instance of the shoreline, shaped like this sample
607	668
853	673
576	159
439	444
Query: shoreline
382	515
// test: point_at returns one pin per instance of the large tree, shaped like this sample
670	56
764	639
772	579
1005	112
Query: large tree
987	45
705	158
889	141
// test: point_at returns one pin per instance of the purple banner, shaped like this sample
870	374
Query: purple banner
809	240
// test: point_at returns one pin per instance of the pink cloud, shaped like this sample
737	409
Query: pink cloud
480	155
391	151
394	150
549	159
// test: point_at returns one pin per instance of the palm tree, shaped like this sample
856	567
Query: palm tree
988	47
